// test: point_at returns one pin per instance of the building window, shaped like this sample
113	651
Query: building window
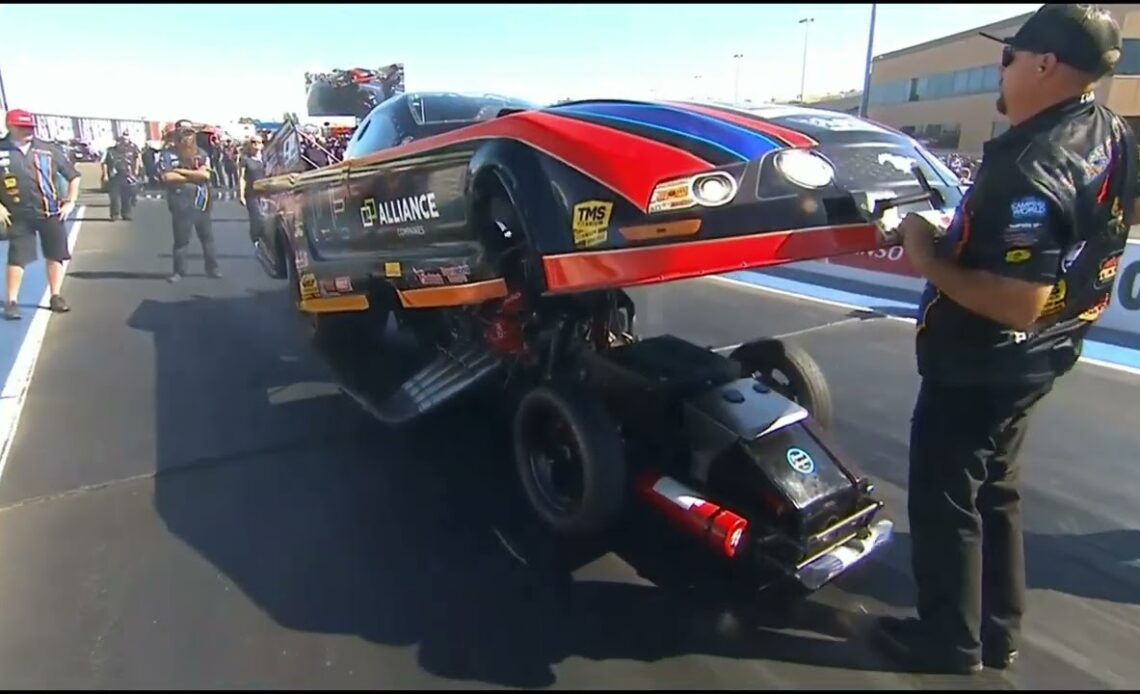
1129	63
942	85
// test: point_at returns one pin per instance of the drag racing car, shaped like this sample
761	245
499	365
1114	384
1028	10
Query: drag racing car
503	237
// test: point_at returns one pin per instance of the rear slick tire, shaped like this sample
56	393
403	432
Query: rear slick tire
561	425
791	372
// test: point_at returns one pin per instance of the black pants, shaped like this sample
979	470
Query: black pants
185	222
964	505
256	219
122	193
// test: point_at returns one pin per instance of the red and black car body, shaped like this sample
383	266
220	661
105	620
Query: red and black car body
606	193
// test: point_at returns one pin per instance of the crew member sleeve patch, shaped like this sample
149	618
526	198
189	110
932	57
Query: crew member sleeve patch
1019	235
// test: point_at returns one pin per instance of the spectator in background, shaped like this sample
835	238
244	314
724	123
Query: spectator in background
122	166
250	170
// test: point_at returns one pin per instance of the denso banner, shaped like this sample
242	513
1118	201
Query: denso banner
888	267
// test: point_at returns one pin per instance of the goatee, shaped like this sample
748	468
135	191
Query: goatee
1001	104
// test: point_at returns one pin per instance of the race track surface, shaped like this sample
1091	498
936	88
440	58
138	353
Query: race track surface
190	503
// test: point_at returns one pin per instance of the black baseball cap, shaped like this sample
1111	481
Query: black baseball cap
1082	36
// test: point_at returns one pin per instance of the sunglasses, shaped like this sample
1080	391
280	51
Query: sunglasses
1008	53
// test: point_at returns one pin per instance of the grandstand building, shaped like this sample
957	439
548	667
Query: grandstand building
943	91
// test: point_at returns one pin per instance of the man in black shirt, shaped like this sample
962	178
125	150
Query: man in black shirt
122	165
31	204
1024	269
251	169
184	169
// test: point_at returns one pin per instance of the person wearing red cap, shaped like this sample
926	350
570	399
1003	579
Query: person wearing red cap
30	204
1022	273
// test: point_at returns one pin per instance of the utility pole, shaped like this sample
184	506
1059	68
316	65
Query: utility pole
3	96
736	83
865	101
806	21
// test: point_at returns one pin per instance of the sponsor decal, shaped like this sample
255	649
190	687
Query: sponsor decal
10	182
343	284
1028	208
417	230
309	287
836	123
1017	255
1071	256
1022	234
674	195
897	161
1107	271
1056	300
1116	225
1093	313
414	208
301	258
392	269
800	461
428	278
1097	162
591	222
456	274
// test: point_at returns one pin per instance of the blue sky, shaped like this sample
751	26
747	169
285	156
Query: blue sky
218	62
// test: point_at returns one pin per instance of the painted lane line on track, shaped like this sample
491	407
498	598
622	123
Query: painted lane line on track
19	379
1094	353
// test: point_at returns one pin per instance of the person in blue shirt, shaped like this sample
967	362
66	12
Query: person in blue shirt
184	170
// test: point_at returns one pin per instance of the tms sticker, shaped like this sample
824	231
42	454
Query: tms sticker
591	223
393	270
309	288
800	461
1017	255
1028	208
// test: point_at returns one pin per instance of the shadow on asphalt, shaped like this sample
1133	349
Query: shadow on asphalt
331	523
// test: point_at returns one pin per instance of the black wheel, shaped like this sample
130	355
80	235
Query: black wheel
570	459
791	372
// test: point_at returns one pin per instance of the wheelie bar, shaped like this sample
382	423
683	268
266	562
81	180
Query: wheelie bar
719	528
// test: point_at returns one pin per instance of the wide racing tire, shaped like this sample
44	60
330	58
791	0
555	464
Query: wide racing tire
561	425
791	372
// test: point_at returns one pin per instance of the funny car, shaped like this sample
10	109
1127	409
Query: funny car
504	236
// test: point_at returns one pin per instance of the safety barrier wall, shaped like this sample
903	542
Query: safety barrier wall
888	269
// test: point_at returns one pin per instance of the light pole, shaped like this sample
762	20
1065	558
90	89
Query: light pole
806	21
3	96
736	82
865	101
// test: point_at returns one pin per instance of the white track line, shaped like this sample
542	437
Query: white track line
20	378
838	304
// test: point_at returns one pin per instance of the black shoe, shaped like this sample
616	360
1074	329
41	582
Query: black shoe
998	659
906	641
126	218
12	311
174	278
58	305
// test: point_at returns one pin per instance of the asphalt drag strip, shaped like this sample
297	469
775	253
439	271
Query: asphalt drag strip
190	502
